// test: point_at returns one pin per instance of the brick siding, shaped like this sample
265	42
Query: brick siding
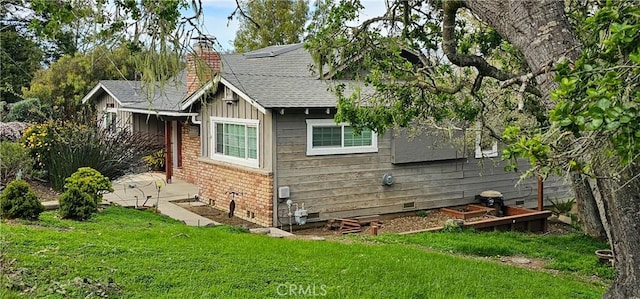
216	179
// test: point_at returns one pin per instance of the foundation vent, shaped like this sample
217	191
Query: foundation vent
408	205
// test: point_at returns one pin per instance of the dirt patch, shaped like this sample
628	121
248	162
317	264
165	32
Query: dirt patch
426	220
43	190
217	215
430	219
559	228
526	263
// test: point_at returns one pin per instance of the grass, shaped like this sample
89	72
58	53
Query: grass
568	253
133	254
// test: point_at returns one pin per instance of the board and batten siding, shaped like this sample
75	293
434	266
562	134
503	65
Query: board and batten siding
338	186
240	109
123	118
150	124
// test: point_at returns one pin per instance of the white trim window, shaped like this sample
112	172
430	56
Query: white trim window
110	119
325	137
486	147
235	140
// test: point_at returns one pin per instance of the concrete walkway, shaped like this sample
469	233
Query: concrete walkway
134	190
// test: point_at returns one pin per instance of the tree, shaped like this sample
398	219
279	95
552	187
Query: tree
278	22
67	80
532	68
19	59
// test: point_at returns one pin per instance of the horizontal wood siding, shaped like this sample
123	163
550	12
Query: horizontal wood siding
351	185
241	110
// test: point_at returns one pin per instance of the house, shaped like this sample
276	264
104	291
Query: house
261	132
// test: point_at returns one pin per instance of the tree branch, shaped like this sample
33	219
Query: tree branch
243	14
450	48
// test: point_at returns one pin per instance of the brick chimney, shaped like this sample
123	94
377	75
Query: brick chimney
202	64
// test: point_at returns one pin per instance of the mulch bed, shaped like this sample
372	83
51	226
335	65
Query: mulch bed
43	190
218	216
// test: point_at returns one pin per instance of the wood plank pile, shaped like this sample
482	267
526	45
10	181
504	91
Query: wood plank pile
348	226
353	225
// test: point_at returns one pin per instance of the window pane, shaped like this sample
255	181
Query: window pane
234	140
327	137
219	138
351	139
252	142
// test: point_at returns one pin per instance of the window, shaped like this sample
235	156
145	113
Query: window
325	137
110	119
486	146
235	140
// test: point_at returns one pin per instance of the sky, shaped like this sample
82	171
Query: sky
216	22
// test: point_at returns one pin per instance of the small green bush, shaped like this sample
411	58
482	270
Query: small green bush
77	205
155	161
90	181
19	201
452	226
13	158
562	207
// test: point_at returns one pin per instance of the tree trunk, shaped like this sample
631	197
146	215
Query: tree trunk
539	29
622	204
588	212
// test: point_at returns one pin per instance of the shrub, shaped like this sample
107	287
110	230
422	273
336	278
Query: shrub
14	158
77	205
562	207
19	201
12	131
155	161
63	148
90	181
453	226
29	110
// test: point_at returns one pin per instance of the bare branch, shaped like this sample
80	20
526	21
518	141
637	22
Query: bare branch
450	48
243	14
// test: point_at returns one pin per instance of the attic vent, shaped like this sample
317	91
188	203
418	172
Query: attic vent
111	105
313	215
230	97
408	205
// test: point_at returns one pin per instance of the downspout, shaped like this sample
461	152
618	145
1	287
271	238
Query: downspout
168	151
195	121
274	166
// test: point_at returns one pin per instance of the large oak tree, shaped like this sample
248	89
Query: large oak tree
561	81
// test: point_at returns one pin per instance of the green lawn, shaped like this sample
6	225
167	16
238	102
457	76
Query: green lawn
132	254
572	253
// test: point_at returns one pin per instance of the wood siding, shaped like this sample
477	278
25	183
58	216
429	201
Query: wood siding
124	119
239	110
338	186
150	124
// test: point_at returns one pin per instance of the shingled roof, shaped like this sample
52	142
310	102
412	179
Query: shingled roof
277	77
274	77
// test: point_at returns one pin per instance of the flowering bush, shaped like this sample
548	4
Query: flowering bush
38	139
12	131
